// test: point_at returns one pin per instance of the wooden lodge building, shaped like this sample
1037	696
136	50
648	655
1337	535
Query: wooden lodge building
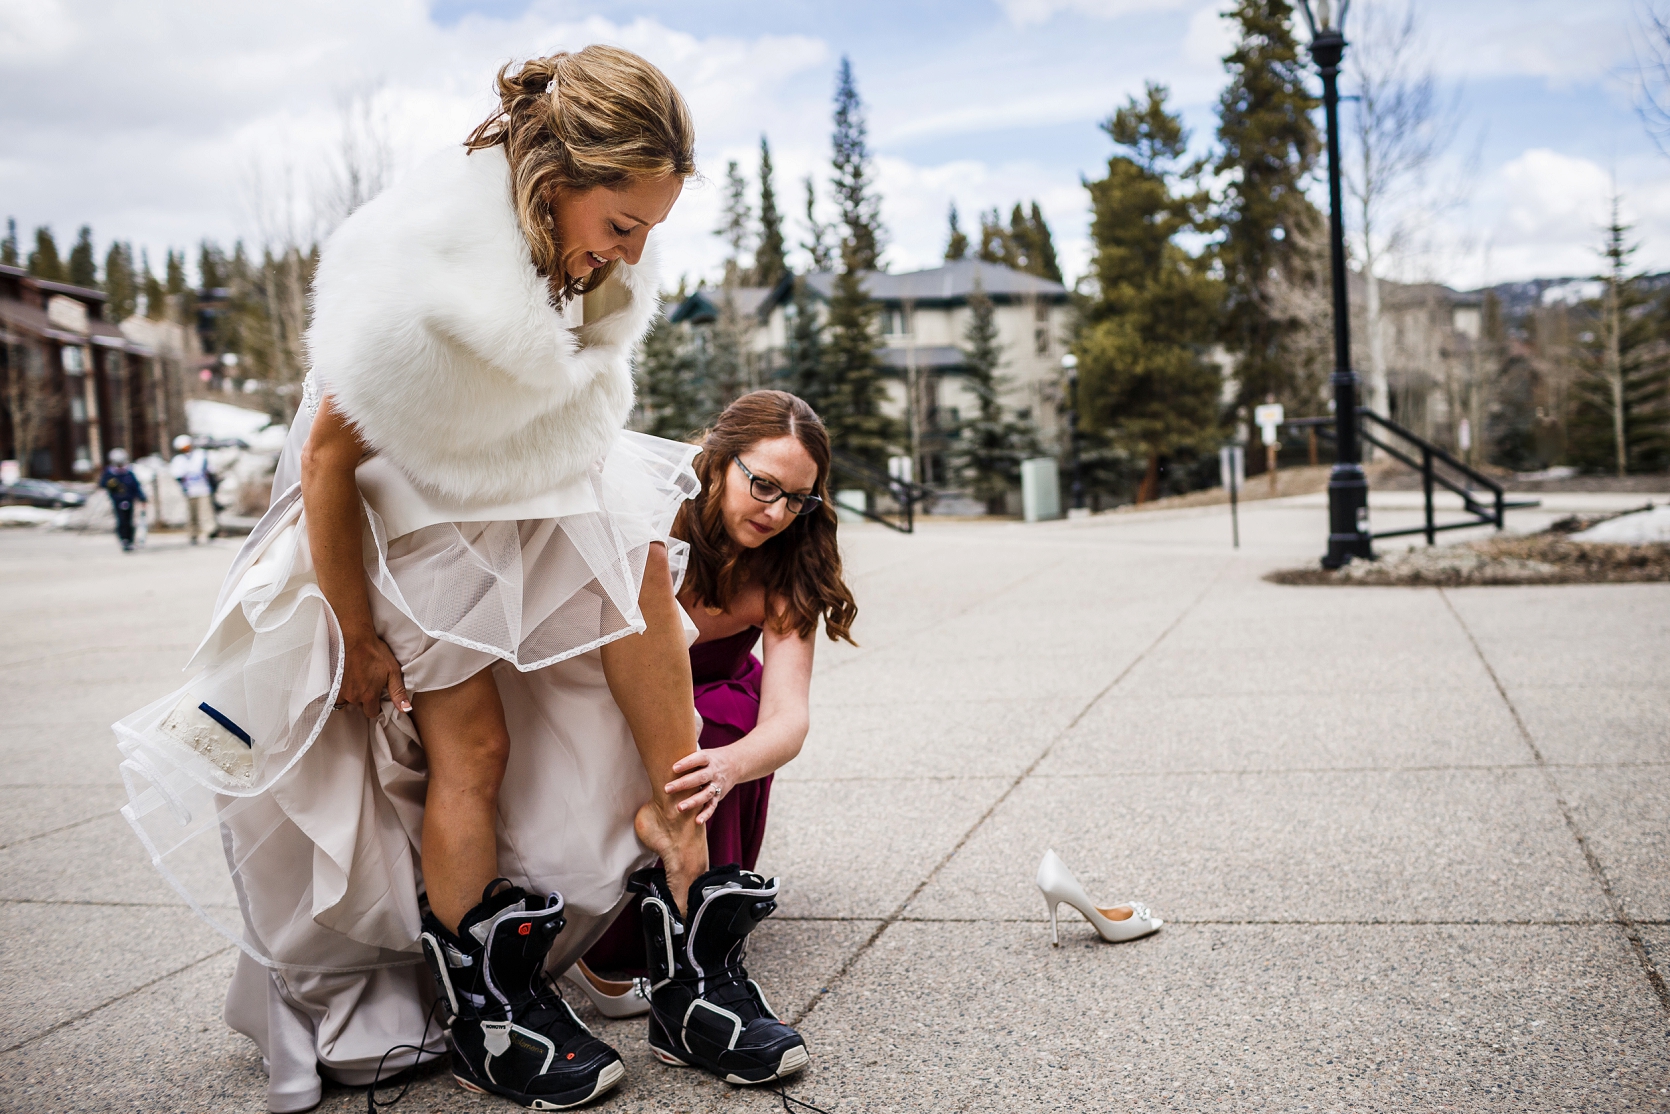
74	386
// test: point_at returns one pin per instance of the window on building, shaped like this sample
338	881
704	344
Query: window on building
74	361
898	322
1041	340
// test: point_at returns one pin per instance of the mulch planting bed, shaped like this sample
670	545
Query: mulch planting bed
1546	558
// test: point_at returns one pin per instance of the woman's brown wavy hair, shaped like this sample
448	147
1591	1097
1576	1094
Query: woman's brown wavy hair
601	116
800	568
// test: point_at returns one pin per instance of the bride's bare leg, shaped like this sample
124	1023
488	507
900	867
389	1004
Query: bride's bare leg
649	677
464	737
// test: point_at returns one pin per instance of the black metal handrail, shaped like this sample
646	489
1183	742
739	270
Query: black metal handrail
866	475
1492	514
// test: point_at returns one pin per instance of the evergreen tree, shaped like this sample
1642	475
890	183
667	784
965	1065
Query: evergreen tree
212	266
989	447
1144	382
43	261
175	270
860	206
770	262
668	381
156	298
1042	261
734	219
1269	145
850	387
83	269
1621	420
121	284
956	247
817	246
804	370
995	244
8	246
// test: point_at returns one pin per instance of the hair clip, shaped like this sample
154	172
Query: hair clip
550	85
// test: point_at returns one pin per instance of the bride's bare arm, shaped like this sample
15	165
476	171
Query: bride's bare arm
335	529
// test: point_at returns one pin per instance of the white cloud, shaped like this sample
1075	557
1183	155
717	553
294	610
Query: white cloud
1024	12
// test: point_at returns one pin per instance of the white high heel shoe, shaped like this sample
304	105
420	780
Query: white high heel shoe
1121	922
612	999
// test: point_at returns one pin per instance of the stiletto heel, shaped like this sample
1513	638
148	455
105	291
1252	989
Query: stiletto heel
612	999
1115	924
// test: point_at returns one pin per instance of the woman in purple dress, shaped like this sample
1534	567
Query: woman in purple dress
764	568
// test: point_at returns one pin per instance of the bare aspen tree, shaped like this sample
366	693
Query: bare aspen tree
1401	127
1652	66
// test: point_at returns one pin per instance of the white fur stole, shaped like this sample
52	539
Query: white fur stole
436	338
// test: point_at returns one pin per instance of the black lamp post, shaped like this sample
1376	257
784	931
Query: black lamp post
1348	530
1070	364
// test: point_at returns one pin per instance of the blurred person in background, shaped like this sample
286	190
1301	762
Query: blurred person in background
125	492
190	467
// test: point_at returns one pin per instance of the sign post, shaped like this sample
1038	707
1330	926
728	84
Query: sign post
1232	467
1269	418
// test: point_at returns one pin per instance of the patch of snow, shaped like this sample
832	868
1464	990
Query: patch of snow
1640	528
224	422
27	516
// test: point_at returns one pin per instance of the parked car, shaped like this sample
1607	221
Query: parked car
40	493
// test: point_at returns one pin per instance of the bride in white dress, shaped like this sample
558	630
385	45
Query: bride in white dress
463	539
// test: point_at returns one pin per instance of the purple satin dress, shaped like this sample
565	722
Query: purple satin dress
726	675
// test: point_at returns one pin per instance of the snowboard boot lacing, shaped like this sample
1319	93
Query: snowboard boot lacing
704	1009
510	1031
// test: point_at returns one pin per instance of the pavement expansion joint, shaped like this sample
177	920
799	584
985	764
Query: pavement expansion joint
893	917
107	904
52	832
57	1025
981	601
1624	920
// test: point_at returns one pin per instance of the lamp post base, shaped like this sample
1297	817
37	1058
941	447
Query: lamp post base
1348	530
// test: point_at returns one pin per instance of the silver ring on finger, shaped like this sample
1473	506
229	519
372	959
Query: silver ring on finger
717	792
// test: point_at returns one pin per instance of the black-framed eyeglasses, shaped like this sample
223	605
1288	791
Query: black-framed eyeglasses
767	492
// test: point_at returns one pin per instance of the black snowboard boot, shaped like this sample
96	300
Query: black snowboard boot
510	1031
704	1009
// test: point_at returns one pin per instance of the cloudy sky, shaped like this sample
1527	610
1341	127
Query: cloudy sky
169	121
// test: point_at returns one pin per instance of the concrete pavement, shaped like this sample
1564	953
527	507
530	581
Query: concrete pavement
1410	845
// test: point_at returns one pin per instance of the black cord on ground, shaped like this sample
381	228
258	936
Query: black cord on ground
371	1102
781	1091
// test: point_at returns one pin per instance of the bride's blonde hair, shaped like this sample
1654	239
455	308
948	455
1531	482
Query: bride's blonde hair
601	116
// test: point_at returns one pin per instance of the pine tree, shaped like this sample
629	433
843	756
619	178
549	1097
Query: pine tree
989	448
956	247
1043	262
735	217
8	246
1143	380
850	387
1269	146
121	284
817	244
82	268
156	298
995	244
1621	421
668	381
860	206
211	266
804	370
770	262
43	261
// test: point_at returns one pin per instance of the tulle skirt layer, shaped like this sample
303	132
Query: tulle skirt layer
293	827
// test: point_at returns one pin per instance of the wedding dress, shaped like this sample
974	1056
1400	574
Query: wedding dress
508	520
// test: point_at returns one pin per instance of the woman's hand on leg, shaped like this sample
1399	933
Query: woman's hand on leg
370	669
708	775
